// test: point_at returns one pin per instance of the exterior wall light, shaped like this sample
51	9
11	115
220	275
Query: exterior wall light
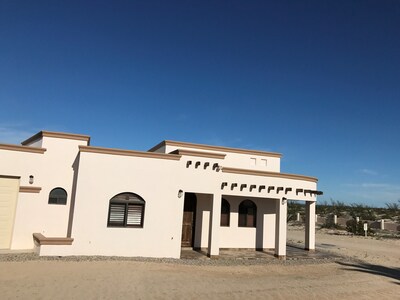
284	201
30	179
180	194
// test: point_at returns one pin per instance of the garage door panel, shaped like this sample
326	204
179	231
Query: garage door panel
8	200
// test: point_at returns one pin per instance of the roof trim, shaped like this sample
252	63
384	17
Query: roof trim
30	189
122	152
60	135
198	153
10	177
269	174
215	148
22	148
42	240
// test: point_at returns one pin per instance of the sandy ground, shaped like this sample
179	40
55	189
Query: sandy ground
383	252
375	276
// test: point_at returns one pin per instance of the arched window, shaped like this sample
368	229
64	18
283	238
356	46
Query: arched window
247	214
58	196
225	212
126	210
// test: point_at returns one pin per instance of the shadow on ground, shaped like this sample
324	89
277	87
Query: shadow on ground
373	269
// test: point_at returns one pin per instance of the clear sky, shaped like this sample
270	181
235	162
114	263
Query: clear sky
318	81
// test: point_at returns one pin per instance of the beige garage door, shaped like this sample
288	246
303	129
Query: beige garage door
8	200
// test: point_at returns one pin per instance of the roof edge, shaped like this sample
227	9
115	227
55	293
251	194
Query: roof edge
215	148
54	134
198	153
269	174
124	152
20	148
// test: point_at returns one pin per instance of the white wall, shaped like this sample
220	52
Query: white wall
238	160
103	176
50	170
157	181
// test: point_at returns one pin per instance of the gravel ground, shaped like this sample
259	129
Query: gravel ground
23	257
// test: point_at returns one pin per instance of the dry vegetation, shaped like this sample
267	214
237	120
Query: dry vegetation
349	214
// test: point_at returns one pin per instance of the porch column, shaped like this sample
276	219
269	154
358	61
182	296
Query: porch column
280	228
310	226
213	235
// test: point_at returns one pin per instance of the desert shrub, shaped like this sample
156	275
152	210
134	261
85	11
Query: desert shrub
357	228
392	210
330	224
293	208
362	211
323	208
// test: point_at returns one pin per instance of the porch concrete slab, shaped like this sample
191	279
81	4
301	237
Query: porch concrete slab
292	253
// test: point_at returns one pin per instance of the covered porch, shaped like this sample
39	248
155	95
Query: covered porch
220	225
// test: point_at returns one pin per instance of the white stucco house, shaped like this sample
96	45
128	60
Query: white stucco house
61	196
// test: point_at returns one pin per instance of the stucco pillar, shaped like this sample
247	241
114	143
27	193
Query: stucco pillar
280	228
215	217
310	226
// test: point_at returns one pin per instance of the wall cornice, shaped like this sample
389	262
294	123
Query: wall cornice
268	174
215	148
198	153
30	189
22	148
122	152
60	135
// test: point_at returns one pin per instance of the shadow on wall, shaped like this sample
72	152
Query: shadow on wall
373	269
75	167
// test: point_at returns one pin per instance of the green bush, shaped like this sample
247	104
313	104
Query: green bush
357	228
330	224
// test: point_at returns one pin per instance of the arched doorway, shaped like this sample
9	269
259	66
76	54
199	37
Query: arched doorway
189	220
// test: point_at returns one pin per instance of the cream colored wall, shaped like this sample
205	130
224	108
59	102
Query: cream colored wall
237	160
235	236
50	170
203	209
157	181
242	237
103	176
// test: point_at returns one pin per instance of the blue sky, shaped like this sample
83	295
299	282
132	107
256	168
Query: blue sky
318	81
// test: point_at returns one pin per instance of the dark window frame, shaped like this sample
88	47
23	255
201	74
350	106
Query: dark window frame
225	210
127	205
247	214
56	199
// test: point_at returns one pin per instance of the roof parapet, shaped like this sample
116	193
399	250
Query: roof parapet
53	134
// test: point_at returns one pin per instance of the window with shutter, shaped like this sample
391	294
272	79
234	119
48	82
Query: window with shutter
126	210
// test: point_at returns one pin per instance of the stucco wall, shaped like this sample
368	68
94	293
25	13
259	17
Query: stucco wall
238	160
50	170
103	176
235	236
99	177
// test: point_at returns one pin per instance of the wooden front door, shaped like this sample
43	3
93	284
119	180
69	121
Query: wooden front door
189	220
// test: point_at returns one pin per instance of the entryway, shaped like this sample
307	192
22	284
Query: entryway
189	220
